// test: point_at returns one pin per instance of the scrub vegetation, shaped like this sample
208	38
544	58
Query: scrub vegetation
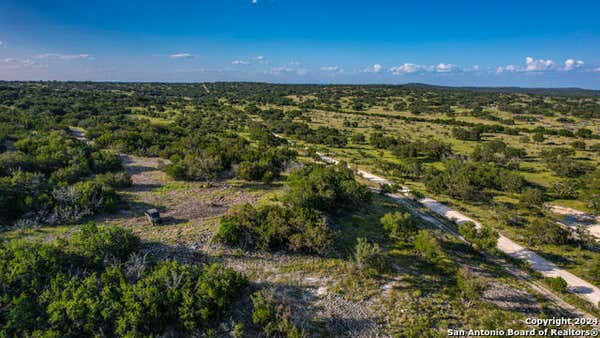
260	237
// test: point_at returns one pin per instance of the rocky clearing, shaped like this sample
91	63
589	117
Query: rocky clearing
189	210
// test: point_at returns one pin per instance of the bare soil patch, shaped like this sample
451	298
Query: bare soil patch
189	210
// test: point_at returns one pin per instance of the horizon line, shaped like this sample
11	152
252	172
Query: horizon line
308	84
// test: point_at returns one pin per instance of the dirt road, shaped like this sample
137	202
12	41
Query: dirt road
576	285
574	218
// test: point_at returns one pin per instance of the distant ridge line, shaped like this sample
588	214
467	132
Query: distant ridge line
564	91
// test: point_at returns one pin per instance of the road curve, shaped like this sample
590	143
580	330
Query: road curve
575	284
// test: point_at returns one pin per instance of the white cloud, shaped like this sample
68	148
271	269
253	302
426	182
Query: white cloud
257	60
541	65
507	68
330	68
407	68
280	70
1	43
376	68
571	64
181	56
286	70
22	63
41	60
58	56
410	68
597	70
445	68
261	60
532	65
202	70
254	1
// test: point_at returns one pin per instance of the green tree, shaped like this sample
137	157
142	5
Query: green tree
428	246
484	238
470	286
541	231
272	318
398	225
368	256
326	188
538	137
532	198
557	283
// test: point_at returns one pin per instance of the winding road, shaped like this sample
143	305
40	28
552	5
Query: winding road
575	284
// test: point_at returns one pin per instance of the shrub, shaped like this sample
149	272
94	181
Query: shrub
470	286
176	170
385	189
272	227
584	133
484	238
115	180
560	160
595	270
104	161
532	198
467	179
511	181
594	202
53	173
578	145
538	137
511	218
473	134
542	231
564	190
428	246
310	231
82	199
230	232
368	256
93	244
254	171
417	194
209	296
558	284
326	188
398	225
358	138
590	184
49	290
272	318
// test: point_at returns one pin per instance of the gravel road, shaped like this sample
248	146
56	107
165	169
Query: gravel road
576	285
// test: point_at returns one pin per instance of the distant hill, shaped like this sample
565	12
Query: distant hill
567	91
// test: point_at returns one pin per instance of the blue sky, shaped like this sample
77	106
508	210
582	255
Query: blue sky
474	43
